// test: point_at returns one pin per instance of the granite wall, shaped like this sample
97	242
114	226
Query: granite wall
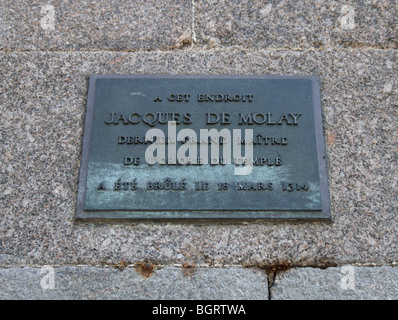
48	49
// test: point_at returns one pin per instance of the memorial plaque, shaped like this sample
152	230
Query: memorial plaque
203	147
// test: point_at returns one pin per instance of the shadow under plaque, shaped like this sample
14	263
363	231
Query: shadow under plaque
203	147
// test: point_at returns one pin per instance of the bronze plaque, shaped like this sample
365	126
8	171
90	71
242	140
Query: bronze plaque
203	147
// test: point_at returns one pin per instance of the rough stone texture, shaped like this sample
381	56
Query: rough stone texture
44	68
93	25
43	95
346	283
108	283
297	24
164	25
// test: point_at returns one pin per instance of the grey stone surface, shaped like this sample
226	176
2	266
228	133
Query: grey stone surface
43	97
345	283
164	25
107	283
297	24
44	68
92	25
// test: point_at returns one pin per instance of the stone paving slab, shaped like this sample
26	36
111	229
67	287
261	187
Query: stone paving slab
93	25
171	283
43	98
339	283
297	24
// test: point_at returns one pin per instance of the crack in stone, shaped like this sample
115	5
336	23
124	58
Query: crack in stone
193	34
271	280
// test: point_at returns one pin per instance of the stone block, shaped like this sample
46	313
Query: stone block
299	25
94	25
44	97
339	283
170	283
